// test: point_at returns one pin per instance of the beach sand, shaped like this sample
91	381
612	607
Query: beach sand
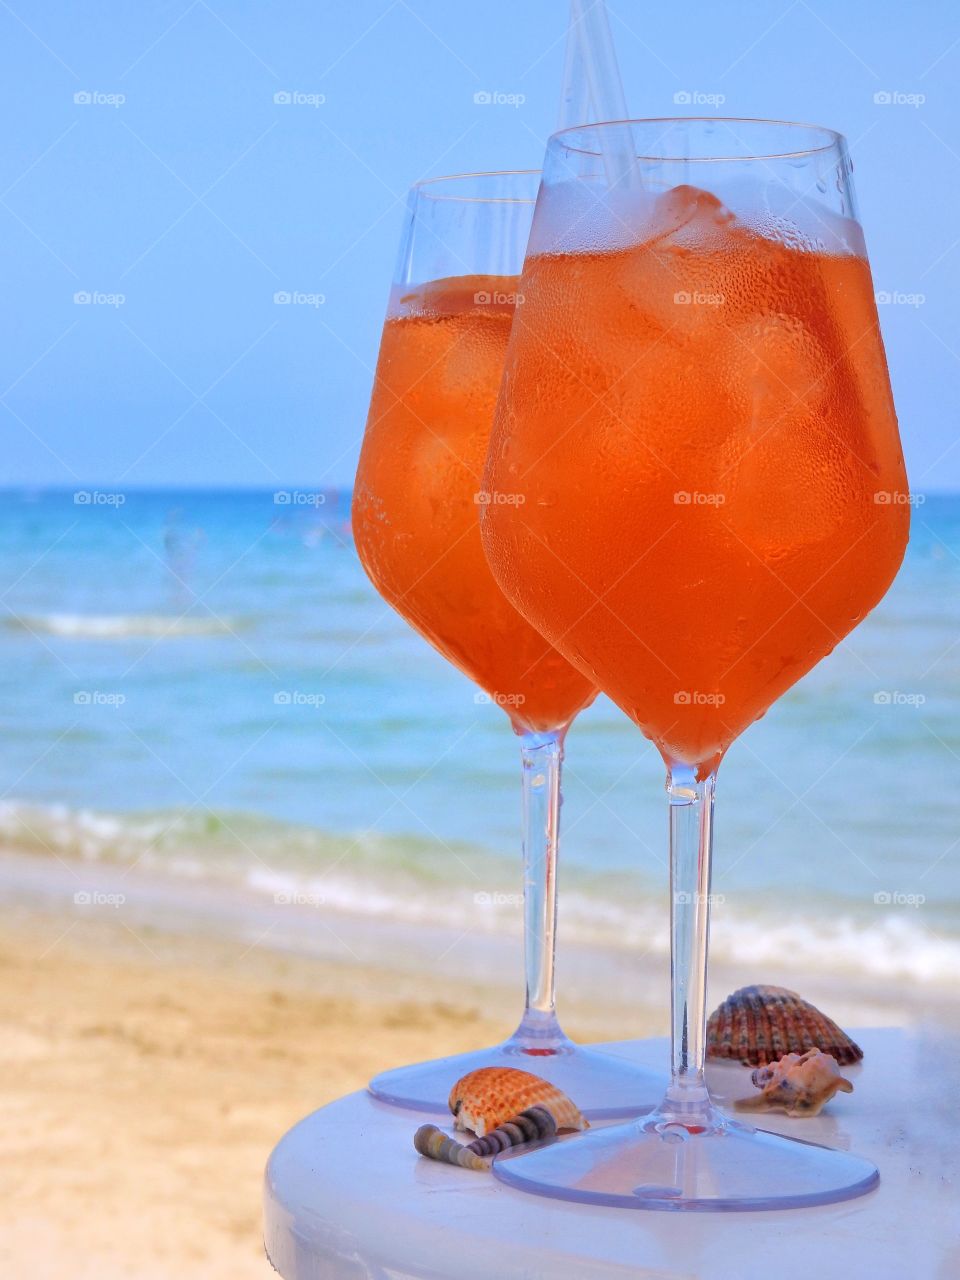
153	1054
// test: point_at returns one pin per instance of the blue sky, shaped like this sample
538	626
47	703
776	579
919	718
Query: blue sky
177	183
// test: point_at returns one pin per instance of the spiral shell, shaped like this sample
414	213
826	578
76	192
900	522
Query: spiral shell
532	1125
758	1025
799	1084
489	1097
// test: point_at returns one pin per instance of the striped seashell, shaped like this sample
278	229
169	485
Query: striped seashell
758	1025
532	1125
489	1097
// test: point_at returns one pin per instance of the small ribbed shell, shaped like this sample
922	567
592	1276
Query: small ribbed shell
491	1096
758	1025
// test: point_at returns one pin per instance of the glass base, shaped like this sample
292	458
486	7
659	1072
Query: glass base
603	1086
659	1163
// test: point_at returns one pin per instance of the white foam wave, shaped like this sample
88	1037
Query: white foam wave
384	881
117	626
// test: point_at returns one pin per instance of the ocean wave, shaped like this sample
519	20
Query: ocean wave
118	626
404	879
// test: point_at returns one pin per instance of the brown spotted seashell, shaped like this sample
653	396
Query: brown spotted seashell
758	1025
491	1096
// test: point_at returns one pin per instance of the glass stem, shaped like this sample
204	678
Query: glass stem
691	843
541	756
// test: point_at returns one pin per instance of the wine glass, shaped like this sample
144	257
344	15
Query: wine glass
416	509
696	411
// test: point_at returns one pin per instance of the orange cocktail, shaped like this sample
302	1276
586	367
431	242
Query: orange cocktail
419	492
701	428
696	413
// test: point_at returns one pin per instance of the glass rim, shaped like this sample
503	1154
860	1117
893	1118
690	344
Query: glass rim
831	138
419	188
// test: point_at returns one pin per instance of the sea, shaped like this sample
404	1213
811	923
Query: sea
204	686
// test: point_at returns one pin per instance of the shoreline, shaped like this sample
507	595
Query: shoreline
155	1050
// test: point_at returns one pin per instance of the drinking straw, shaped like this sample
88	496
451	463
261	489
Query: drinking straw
592	87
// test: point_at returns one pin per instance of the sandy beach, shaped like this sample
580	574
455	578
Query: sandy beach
150	1068
155	1050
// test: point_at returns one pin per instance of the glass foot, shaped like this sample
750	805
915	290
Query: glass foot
659	1163
603	1086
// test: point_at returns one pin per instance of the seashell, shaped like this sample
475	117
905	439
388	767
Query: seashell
531	1125
799	1084
760	1024
489	1097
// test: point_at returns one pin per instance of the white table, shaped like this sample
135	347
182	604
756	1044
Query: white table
347	1198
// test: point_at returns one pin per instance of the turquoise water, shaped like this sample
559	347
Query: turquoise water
206	684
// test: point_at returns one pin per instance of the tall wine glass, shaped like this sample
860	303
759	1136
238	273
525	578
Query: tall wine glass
416	512
696	411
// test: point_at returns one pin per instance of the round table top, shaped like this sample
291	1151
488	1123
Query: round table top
347	1198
